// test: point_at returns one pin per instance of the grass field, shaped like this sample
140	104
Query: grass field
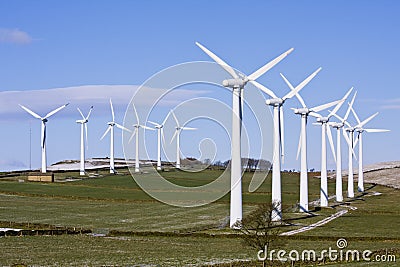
116	203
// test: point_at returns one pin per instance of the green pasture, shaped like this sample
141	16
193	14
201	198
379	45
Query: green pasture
159	234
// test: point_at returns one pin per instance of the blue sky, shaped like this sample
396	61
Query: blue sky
46	45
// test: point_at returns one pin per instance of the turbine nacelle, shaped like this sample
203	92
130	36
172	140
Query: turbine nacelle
235	83
323	119
111	123
302	111
44	120
275	102
337	125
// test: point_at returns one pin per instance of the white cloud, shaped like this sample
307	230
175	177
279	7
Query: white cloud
14	36
42	101
390	107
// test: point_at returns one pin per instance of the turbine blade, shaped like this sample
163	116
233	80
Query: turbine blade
112	110
55	111
293	89
132	135
282	133
122	127
349	142
31	112
80	112
106	132
367	120
325	106
314	114
136	114
298	147
155	124
356	139
147	127
376	130
346	137
330	139
356	116
165	120
188	128
176	119
90	111
337	107
222	63
173	137
301	85
264	89
350	106
269	65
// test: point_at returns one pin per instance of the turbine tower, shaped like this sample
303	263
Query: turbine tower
326	131
237	84
178	130
304	112
160	134
359	128
350	142
43	131
338	126
277	104
84	131
110	129
136	132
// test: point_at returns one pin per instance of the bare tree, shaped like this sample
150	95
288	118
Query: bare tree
258	229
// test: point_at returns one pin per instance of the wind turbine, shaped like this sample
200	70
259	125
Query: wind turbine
304	112
237	84
359	128
43	131
136	132
277	104
326	131
178	130
84	131
160	134
338	126
110	129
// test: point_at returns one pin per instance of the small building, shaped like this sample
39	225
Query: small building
41	177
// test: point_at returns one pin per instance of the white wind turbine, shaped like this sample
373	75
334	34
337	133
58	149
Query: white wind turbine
326	131
338	126
277	104
350	142
84	131
237	84
110	129
43	131
160	134
359	128
178	130
304	112
136	132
